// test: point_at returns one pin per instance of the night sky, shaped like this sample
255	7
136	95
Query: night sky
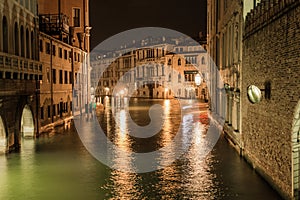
110	17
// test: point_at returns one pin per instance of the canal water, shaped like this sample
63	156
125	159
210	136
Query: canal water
57	165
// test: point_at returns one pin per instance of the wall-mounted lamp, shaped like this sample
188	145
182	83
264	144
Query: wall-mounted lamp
226	87
255	94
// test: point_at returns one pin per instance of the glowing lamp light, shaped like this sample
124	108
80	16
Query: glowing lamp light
254	94
198	79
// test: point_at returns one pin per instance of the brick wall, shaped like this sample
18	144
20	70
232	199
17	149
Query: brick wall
271	51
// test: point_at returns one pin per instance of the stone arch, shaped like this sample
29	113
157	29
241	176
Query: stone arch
296	152
27	122
3	137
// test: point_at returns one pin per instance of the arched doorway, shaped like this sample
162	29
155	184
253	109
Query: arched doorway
3	140
296	153
27	122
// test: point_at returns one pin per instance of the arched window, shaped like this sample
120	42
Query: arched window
169	62
22	42
16	39
27	44
32	46
5	34
179	61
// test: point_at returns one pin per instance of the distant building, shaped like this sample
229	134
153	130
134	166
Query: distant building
64	52
152	70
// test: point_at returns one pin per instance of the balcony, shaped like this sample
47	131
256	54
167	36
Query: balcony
54	24
13	65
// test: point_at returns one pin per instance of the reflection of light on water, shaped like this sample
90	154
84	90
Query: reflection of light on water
167	126
124	184
167	103
2	146
123	124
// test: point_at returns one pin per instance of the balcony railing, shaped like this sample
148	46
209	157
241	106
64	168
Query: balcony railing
54	24
14	63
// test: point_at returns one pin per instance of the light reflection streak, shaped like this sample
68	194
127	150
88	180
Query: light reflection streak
124	184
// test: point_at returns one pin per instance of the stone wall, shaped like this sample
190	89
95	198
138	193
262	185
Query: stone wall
271	50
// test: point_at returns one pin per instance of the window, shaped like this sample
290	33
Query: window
5	34
32	41
49	112
22	42
60	77
66	77
75	57
179	61
41	46
65	54
48	48
54	75
53	50
70	78
66	107
27	44
16	39
76	17
53	110
42	112
58	109
60	52
48	75
169	62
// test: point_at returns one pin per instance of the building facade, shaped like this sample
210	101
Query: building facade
245	40
153	71
20	72
271	127
64	52
225	30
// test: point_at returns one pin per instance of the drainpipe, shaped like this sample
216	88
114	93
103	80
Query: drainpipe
59	19
51	80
